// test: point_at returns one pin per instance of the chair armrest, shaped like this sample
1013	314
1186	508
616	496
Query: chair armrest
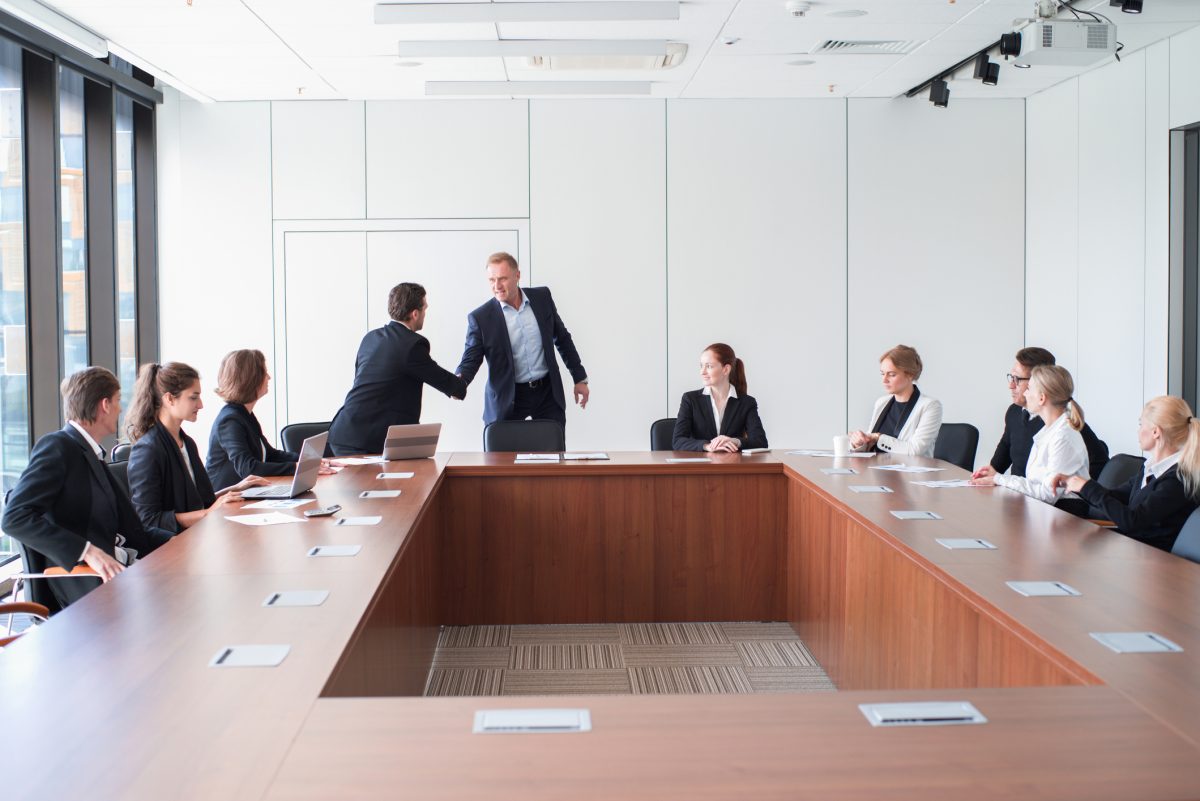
1103	523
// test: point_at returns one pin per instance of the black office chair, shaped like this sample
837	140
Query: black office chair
120	452
38	591
524	435
293	436
662	434
956	443
1187	544
1119	470
120	471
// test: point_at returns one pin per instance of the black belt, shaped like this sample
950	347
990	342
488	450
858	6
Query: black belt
534	384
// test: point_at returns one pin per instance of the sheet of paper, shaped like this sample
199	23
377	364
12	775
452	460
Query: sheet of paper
946	484
268	519
689	460
916	515
537	457
1031	589
752	451
869	488
1136	642
839	471
830	454
905	468
290	503
964	544
389	476
334	550
581	456
357	460
366	520
379	494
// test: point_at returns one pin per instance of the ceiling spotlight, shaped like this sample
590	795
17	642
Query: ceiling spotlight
1131	6
1021	66
939	93
992	74
1010	44
981	65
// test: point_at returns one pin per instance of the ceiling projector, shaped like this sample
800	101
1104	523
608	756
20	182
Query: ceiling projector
1066	43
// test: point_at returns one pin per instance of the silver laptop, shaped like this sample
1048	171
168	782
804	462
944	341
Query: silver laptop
307	467
411	442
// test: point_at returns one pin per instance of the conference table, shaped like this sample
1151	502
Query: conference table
115	697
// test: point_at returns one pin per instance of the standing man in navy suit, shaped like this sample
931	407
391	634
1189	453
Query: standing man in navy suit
517	332
67	508
390	372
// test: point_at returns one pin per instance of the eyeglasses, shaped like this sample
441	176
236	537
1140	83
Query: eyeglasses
1016	379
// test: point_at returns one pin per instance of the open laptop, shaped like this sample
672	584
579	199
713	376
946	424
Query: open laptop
307	467
411	442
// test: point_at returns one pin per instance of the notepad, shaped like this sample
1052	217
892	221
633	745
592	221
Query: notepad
366	520
389	476
869	488
289	503
532	721
831	454
581	457
752	451
946	484
916	515
357	460
379	494
1032	589
268	519
906	468
965	544
839	471
334	550
250	656
1136	642
296	598
537	457
689	460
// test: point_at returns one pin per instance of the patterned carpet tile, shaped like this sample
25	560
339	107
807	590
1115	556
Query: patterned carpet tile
689	680
473	636
496	657
673	634
566	657
565	682
565	633
669	655
758	631
789	680
775	653
463	681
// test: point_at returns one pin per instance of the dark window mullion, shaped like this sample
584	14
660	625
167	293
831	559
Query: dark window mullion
146	232
99	188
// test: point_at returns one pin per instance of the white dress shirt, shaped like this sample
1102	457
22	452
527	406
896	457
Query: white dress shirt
529	360
719	415
1057	448
1158	468
125	556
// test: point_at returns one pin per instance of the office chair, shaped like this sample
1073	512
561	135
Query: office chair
524	435
1187	544
293	436
20	612
120	471
120	452
1119	470
956	443
662	434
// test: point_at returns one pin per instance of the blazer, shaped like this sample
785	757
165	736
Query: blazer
1153	514
696	425
1017	440
159	480
390	371
67	498
920	430
237	448
487	338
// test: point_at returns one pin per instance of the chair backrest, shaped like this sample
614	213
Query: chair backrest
38	591
293	436
956	443
120	452
120	471
1119	470
1187	544
524	435
662	434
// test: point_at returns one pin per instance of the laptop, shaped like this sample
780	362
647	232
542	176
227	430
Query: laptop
307	467
411	442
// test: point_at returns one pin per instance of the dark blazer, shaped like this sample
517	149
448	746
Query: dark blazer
1017	441
695	425
1154	513
237	448
67	498
159	481
392	366
487	338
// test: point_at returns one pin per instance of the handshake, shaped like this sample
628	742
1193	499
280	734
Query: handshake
460	391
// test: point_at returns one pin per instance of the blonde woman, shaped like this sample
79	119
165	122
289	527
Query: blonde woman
1058	449
904	420
1153	506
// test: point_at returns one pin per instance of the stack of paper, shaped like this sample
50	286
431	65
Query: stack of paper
537	457
572	457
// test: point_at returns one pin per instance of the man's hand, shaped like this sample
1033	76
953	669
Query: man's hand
581	394
984	472
105	566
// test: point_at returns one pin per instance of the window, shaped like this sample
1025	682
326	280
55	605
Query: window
14	379
73	216
126	251
1184	349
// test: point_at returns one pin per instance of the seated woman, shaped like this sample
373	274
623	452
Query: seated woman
720	417
904	420
1153	506
167	481
236	445
1058	449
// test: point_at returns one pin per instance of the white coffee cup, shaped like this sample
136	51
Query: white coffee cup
841	445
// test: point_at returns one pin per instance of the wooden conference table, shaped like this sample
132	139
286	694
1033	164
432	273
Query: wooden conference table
114	699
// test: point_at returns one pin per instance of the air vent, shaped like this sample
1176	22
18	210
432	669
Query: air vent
851	47
1097	37
676	52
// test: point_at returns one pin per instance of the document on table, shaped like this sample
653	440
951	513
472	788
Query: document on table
290	503
269	519
916	515
357	460
839	471
579	457
537	457
946	484
379	494
831	454
904	468
689	460
394	475
368	520
868	488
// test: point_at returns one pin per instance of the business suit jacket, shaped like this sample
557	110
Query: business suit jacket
67	498
237	448
487	338
1154	513
1017	441
920	430
392	366
696	425
159	481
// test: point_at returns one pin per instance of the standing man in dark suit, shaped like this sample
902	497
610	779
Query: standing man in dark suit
517	332
66	507
392	365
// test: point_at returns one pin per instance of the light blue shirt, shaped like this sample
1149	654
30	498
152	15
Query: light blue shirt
529	360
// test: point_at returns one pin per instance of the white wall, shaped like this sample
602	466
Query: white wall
660	225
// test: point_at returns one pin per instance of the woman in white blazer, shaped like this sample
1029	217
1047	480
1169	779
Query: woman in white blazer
904	420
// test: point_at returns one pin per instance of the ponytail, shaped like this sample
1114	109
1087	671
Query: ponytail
737	376
1173	417
1074	414
154	381
1189	460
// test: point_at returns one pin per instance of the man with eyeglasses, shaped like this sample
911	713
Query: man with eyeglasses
1020	426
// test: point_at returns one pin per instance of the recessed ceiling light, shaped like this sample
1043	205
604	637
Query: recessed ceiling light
846	13
801	62
408	63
